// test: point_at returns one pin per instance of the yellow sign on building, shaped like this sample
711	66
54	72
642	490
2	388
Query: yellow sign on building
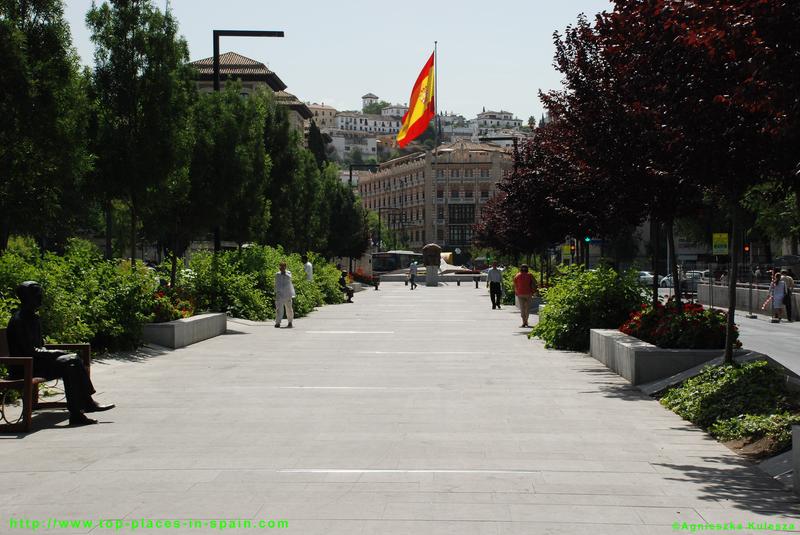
719	243
565	250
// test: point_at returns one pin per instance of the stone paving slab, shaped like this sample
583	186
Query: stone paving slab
405	412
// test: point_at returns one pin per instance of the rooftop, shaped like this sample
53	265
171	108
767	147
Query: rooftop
370	95
233	66
292	102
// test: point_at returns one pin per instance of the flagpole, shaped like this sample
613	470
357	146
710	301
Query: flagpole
434	214
436	91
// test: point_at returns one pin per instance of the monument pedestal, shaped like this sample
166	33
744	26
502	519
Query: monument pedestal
431	276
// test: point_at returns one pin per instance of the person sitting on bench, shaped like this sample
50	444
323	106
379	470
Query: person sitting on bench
347	290
24	334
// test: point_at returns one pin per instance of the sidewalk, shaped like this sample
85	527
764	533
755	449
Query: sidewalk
421	412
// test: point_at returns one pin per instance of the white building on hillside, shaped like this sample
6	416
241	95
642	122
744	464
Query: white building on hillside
395	110
368	99
354	121
496	120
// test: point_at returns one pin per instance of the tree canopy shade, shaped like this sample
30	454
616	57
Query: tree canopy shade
144	89
43	104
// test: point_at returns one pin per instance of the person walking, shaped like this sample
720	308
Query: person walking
284	293
308	267
494	280
789	282
777	295
412	275
524	288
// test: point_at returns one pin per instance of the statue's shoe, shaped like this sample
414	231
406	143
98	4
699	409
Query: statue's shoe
77	420
96	407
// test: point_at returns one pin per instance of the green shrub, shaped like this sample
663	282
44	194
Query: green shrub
580	300
86	299
508	284
690	327
243	282
724	392
750	427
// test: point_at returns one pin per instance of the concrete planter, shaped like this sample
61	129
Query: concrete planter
796	458
184	332
640	362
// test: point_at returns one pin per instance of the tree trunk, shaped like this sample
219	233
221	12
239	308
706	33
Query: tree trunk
133	235
173	272
732	279
5	231
109	224
217	240
673	263
654	257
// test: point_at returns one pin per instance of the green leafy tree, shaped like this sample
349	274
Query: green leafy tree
376	107
43	153
318	144
144	90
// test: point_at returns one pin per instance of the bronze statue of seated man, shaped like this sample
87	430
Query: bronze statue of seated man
24	334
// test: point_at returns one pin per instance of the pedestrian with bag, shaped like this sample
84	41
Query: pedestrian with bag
524	289
777	294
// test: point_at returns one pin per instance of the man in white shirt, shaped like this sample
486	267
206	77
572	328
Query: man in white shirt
308	268
412	275
284	292
494	280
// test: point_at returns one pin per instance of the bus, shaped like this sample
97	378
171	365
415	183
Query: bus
393	260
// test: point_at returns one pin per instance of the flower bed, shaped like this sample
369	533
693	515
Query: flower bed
689	326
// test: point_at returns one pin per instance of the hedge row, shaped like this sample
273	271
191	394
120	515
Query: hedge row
106	303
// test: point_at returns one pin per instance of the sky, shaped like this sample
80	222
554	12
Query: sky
490	55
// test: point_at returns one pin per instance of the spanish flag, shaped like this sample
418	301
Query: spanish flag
421	107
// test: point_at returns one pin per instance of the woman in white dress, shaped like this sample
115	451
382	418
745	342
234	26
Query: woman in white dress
777	292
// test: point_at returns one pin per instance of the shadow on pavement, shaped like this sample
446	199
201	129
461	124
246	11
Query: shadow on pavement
744	487
141	354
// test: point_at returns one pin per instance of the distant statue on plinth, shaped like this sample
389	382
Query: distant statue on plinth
432	256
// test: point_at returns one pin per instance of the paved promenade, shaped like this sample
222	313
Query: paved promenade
406	412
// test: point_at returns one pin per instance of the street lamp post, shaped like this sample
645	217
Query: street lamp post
382	209
232	33
236	33
369	166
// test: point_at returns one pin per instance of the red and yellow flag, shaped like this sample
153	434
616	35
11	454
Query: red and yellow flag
421	107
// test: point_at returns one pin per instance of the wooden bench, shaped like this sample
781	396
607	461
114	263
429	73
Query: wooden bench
28	385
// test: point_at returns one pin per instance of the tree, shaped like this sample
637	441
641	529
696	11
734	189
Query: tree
376	107
144	88
43	152
318	144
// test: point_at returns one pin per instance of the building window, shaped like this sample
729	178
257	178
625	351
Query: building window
468	193
440	234
468	173
455	173
484	173
440	212
459	234
461	214
484	194
440	194
440	173
454	193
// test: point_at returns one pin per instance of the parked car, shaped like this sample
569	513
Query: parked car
689	281
645	278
